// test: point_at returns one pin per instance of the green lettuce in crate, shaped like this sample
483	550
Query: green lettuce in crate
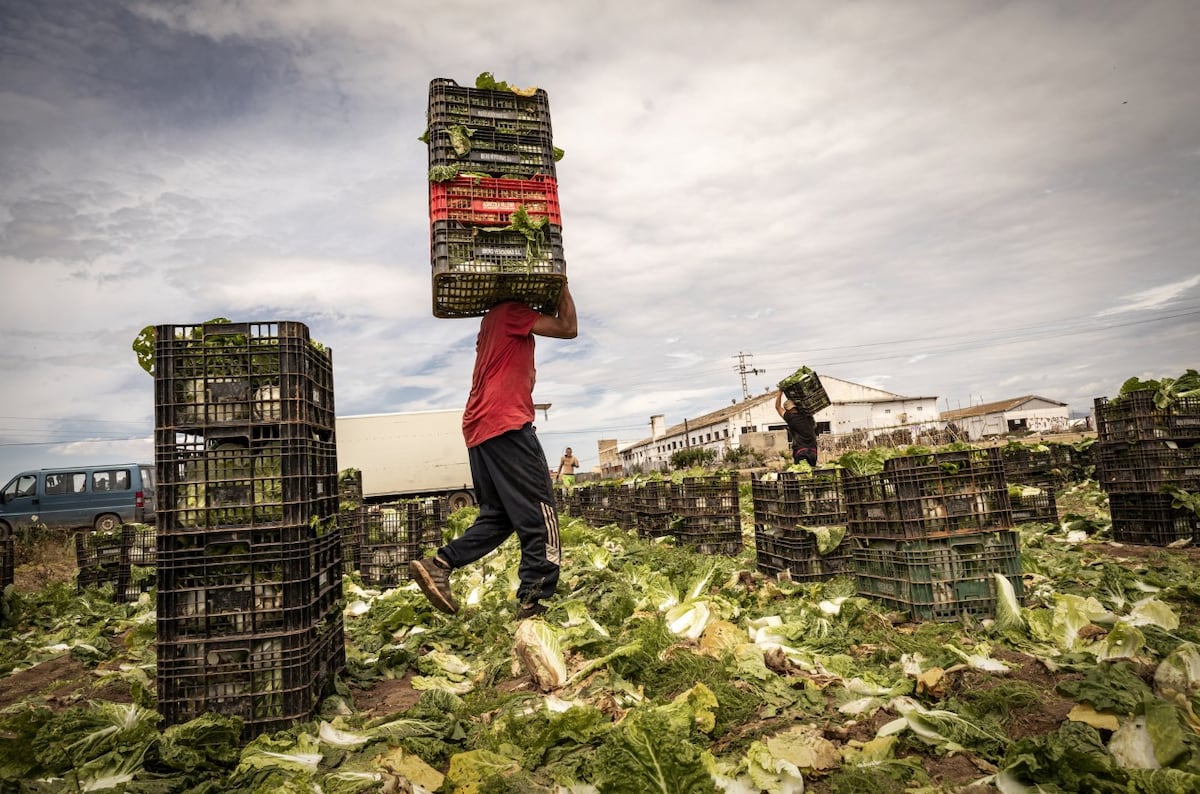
797	377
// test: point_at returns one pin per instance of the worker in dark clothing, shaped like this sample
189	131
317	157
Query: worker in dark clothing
508	465
802	430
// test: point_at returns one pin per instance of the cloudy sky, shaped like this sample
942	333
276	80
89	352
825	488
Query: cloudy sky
970	199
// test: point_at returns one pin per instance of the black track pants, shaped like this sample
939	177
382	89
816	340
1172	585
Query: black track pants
515	493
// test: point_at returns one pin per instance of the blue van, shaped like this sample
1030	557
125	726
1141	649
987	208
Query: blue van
103	497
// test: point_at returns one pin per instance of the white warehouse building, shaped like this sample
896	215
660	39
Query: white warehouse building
853	407
1028	414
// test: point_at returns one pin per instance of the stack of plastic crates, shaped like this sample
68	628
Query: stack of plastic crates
707	516
598	502
8	557
98	558
787	508
1140	450
123	557
249	557
653	503
393	534
495	223
930	532
624	513
1033	465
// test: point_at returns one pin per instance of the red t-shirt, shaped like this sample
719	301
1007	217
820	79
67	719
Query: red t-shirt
502	385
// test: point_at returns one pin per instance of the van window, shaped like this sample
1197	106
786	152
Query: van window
66	483
110	480
24	485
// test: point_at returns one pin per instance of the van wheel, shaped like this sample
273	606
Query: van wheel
5	530
460	499
107	522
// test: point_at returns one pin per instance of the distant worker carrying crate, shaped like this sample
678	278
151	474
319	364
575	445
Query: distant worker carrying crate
802	430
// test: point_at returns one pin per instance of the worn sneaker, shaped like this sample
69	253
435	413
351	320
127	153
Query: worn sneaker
433	577
529	610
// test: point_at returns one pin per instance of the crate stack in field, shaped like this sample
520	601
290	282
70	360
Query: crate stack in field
708	518
393	534
653	503
800	525
350	516
1140	449
930	531
249	557
495	223
8	557
123	557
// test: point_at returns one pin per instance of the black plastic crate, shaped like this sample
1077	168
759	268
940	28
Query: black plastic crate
1040	507
352	524
239	481
598	502
241	374
1032	466
1146	466
814	499
654	497
503	111
522	155
99	558
654	525
1134	417
933	495
707	495
1148	519
709	534
808	393
139	544
474	269
766	493
270	680
792	553
235	589
938	578
8	554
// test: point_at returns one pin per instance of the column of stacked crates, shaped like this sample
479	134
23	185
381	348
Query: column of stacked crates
8	557
495	223
248	551
1033	474
123	557
931	531
788	506
653	505
396	533
623	506
1140	450
707	514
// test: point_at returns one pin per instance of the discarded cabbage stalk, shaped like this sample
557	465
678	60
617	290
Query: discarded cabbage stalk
540	653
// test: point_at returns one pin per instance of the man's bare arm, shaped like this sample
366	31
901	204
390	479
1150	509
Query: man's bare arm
563	325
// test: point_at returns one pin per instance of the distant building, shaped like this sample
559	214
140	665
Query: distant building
1028	414
853	407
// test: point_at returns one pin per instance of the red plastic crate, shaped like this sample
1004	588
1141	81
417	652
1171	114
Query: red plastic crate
491	201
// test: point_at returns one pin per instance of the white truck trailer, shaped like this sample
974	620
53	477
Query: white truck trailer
405	455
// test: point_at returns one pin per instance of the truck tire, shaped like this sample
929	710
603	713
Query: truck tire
107	522
460	499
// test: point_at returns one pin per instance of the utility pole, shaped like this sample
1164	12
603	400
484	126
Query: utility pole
742	370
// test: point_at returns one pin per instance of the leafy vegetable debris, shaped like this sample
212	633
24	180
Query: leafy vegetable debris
657	669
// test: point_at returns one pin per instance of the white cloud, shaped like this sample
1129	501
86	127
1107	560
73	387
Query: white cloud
1153	298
